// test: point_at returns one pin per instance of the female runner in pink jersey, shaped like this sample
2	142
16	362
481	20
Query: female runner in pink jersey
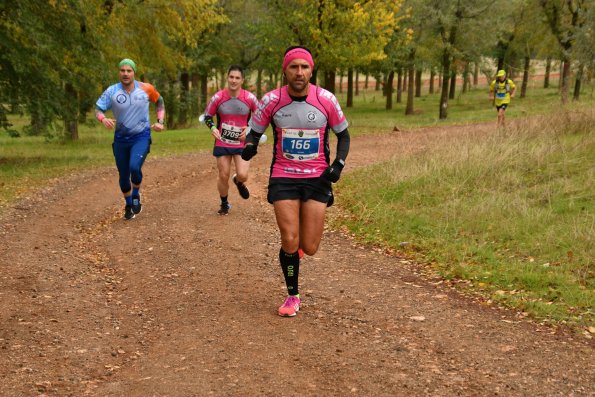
233	107
301	115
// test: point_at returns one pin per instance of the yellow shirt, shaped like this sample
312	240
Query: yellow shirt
502	90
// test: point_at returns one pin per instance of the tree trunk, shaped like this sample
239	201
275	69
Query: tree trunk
405	77
40	119
72	129
329	80
410	86
195	109
466	79
500	64
444	86
350	87
565	81
366	81
185	85
377	78
578	81
560	75
399	85
202	97
548	68
259	83
453	84
71	126
432	78
525	77
475	74
418	83
341	83
384	77
356	82
389	90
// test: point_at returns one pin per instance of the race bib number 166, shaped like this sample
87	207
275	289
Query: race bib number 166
300	144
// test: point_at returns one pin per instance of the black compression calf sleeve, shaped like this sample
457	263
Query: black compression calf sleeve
290	263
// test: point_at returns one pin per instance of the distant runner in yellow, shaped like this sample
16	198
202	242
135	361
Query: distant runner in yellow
501	90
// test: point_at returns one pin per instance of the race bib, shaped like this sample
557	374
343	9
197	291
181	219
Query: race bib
300	144
230	134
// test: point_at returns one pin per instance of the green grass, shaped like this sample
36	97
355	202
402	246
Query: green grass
513	212
369	113
27	162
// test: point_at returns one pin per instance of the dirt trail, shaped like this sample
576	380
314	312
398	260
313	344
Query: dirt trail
182	302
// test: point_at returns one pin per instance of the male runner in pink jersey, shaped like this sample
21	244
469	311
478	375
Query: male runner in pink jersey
301	115
233	107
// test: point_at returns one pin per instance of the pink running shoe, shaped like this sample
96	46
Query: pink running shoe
290	307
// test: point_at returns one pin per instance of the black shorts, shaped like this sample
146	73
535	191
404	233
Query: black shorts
318	189
503	107
219	151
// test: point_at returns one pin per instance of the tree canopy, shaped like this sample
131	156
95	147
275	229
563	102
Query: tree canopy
58	55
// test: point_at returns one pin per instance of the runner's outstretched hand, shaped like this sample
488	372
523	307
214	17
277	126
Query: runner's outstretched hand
333	171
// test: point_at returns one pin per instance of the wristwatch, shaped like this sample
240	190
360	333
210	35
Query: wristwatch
160	121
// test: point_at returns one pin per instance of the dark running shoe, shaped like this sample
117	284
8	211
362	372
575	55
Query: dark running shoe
128	213
137	207
224	210
242	189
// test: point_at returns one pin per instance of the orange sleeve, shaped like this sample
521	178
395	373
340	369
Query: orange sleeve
151	92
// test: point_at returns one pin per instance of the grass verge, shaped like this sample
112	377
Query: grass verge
513	213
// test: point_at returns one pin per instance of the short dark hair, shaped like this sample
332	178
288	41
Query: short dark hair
236	67
293	47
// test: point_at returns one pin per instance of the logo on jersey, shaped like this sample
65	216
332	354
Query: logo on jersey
301	133
311	116
121	98
267	99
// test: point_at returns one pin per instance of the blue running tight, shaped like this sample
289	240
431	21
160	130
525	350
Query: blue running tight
130	157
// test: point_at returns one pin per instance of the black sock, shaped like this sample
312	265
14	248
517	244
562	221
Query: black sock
290	263
223	200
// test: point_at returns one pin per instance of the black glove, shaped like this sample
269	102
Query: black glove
249	151
333	171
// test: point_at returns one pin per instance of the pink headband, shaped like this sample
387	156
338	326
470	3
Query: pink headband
298	53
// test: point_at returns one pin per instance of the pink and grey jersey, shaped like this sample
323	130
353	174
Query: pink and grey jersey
233	114
300	130
131	110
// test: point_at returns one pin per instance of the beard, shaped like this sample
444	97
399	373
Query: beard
298	86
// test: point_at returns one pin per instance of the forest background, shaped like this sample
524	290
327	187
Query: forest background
59	55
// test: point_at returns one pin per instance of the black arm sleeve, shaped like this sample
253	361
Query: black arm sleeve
253	137
343	141
209	121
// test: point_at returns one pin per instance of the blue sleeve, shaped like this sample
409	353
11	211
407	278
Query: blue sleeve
104	103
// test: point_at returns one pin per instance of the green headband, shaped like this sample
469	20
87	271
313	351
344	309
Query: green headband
128	62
